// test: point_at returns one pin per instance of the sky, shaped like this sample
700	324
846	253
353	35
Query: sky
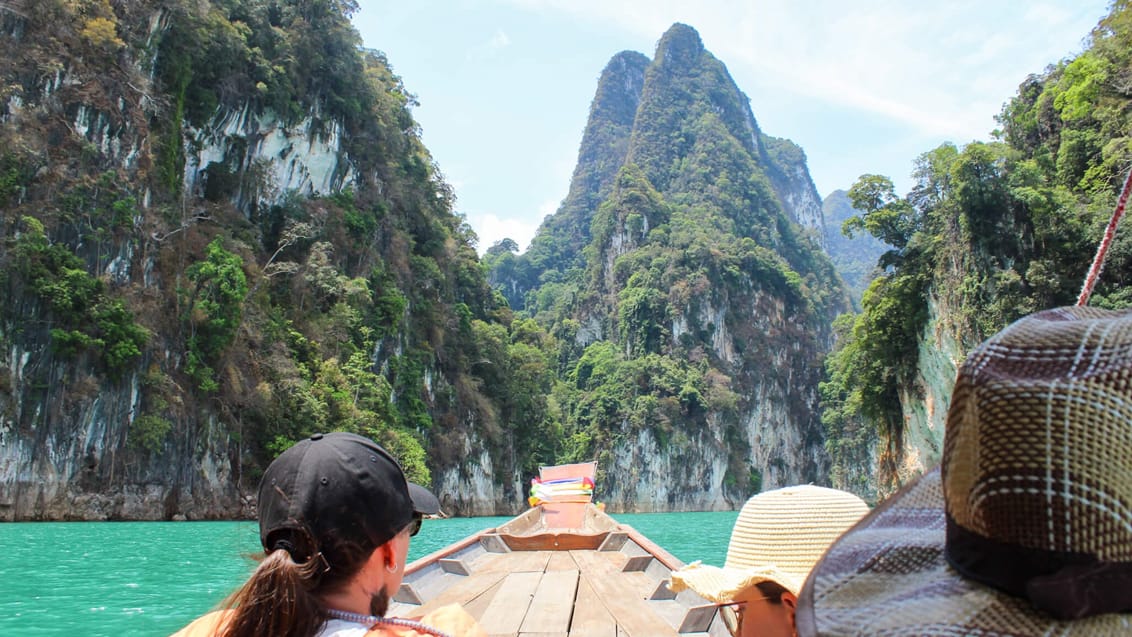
504	86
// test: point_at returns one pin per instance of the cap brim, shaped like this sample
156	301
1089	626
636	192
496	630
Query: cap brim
424	501
722	585
889	575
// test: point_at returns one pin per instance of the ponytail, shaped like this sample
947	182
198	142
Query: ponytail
277	600
281	598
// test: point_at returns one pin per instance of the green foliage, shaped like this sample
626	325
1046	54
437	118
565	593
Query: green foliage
149	432
886	216
15	174
994	231
213	310
855	257
289	58
91	321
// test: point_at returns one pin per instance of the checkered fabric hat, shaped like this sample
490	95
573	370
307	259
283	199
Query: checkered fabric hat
1026	526
778	537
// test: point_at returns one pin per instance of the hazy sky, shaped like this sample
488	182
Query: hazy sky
863	87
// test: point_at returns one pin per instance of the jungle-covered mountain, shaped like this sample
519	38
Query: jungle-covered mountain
855	254
988	233
220	233
684	282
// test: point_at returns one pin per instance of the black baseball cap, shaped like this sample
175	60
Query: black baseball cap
339	484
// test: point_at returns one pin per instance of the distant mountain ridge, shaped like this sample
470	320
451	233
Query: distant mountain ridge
854	257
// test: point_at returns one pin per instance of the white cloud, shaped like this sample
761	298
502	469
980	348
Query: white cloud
942	69
490	47
491	228
499	40
548	207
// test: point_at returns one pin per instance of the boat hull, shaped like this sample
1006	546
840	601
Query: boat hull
525	578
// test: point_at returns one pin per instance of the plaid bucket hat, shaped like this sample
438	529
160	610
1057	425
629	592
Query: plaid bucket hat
778	537
1025	528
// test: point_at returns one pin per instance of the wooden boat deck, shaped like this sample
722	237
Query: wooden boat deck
526	579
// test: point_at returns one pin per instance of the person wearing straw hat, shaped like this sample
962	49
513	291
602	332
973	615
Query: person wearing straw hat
1025	528
335	519
777	538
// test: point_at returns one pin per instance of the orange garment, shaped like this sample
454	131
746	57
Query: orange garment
451	619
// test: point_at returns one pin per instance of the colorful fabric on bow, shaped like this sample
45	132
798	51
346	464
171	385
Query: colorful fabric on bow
560	490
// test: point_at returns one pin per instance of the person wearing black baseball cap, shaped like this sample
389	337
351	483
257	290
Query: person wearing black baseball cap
335	517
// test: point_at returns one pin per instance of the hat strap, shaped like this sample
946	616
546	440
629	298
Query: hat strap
1065	584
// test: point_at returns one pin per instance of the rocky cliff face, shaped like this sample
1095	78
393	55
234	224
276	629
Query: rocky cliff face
703	261
63	428
925	404
108	200
188	286
298	159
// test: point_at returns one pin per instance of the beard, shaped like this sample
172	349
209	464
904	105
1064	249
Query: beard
379	603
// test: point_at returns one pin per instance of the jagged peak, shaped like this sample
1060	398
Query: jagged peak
626	60
680	45
619	88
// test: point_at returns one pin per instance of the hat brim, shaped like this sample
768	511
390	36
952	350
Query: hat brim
424	501
722	585
889	575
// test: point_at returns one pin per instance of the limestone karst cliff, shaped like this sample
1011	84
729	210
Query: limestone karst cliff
989	232
685	281
221	233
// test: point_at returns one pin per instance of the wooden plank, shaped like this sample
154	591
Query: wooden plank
662	591
622	594
552	604
663	556
561	561
456	567
526	561
602	561
554	541
463	593
658	571
632	613
698	618
508	607
638	562
445	552
591	619
486	573
493	543
614	541
422	589
640	583
478	605
407	594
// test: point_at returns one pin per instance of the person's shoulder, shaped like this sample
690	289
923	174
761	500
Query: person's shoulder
451	620
205	625
457	620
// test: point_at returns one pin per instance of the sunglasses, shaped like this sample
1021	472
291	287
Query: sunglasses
732	614
415	526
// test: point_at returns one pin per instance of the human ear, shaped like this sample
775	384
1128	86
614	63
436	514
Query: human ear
790	601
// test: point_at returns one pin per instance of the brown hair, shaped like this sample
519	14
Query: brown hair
281	598
772	591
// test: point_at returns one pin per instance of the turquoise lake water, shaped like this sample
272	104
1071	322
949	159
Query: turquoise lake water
151	578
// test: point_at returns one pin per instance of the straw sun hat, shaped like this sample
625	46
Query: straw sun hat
778	537
1026	526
